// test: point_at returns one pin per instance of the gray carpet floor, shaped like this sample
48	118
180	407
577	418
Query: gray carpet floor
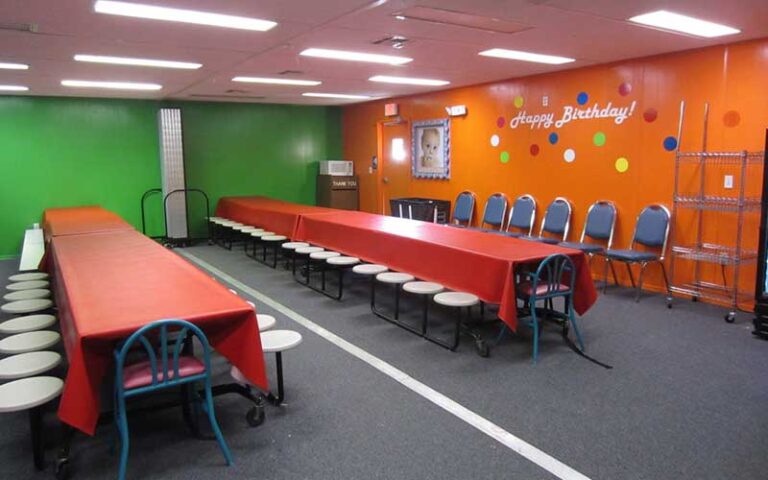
686	400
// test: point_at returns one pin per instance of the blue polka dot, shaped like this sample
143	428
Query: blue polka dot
553	138
670	144
582	98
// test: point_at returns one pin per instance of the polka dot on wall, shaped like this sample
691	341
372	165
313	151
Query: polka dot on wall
650	115
599	139
569	155
534	149
625	89
504	157
553	138
519	101
495	140
582	98
500	122
670	143
622	164
731	118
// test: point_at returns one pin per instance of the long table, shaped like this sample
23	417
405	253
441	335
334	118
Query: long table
460	259
270	214
109	284
81	220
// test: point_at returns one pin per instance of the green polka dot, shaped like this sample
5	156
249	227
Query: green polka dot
504	157
599	139
519	102
622	165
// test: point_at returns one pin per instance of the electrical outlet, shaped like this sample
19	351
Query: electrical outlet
728	181
545	101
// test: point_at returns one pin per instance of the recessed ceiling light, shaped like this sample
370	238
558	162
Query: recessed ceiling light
13	66
111	85
409	81
400	17
277	81
153	12
337	95
525	56
683	23
139	62
355	56
13	88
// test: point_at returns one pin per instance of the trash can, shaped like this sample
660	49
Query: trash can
424	209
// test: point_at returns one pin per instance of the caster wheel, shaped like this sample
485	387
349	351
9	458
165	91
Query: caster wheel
730	318
255	416
669	302
694	299
61	469
482	348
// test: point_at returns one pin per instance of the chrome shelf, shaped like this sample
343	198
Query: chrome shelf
718	203
721	158
712	253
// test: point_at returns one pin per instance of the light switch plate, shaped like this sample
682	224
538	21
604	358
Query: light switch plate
728	181
545	101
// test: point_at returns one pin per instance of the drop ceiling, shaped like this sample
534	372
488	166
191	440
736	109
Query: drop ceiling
443	38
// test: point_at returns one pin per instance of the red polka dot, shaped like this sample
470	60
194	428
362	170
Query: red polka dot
625	89
534	149
731	118
500	122
650	115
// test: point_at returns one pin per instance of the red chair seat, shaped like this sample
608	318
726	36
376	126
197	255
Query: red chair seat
139	374
525	289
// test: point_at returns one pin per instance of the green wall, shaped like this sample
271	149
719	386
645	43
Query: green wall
57	152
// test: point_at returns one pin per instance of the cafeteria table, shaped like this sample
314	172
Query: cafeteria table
81	220
270	214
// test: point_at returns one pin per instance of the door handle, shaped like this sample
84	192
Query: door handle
385	180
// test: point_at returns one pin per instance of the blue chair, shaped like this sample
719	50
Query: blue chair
557	221
463	209
652	232
554	278
599	226
170	369
494	213
521	216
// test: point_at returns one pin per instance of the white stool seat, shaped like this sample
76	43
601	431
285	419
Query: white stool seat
323	255
29	342
308	250
26	277
369	269
233	225
279	340
456	299
28	364
394	277
27	306
266	322
274	238
248	229
27	294
30	323
29	393
343	261
423	288
261	233
294	245
15	287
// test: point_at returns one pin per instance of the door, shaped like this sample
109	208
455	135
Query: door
394	151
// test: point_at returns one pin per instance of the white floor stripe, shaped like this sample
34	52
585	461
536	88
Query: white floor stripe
525	449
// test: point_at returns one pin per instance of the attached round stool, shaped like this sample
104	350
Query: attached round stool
29	342
395	279
26	277
459	301
293	245
308	250
272	242
289	251
342	261
30	323
369	269
27	306
427	290
31	394
302	252
266	322
28	364
27	294
324	255
15	287
278	341
341	264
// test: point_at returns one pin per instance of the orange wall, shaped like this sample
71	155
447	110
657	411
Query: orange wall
731	78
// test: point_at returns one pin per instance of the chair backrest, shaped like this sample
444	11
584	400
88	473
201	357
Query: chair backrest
556	271
652	227
601	221
557	219
166	360
495	211
523	214
465	206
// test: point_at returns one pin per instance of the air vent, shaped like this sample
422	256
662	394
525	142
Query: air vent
291	72
453	18
395	41
19	27
230	97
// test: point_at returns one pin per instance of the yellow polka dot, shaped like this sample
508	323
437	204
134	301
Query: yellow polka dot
622	165
519	101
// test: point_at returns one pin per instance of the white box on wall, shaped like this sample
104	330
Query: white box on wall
337	167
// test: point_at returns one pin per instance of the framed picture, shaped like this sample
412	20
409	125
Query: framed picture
431	149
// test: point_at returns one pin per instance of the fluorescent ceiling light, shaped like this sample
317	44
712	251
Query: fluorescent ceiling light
409	81
337	95
683	23
525	56
111	85
13	66
355	56
277	81
153	12
13	88
139	62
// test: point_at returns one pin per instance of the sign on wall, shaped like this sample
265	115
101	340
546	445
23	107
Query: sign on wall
431	149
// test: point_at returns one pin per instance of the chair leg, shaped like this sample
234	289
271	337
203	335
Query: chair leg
502	333
631	277
535	334
214	424
605	274
36	431
666	279
397	301
572	321
613	271
122	425
640	281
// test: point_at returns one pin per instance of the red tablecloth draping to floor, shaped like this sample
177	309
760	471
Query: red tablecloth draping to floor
267	213
80	220
109	284
460	259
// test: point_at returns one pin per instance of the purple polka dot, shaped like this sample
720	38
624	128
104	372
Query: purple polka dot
500	122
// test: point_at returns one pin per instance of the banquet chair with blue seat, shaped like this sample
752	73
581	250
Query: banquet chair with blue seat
651	232
463	209
599	227
521	216
556	223
494	213
169	368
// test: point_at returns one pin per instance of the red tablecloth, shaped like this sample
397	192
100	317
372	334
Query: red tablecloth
109	284
80	220
460	259
267	213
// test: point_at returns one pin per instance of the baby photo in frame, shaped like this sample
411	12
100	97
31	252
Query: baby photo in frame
431	149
